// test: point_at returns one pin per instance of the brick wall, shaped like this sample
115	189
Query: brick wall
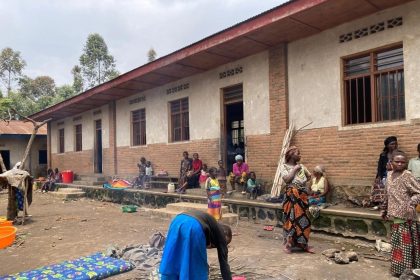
78	162
167	156
350	156
263	151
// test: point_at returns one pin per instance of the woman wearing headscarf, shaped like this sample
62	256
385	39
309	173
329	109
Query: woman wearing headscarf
296	224
384	165
239	173
319	187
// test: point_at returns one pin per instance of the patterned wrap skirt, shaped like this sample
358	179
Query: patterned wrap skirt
214	202
296	224
405	242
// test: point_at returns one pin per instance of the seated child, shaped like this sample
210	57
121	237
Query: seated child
252	187
49	184
189	182
203	176
319	187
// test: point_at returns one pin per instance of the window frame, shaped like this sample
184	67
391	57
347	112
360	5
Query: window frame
78	138
142	127
372	74
184	118
61	141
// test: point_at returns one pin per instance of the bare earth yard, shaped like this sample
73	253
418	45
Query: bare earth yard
62	230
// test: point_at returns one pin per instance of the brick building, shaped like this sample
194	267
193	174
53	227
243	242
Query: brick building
349	68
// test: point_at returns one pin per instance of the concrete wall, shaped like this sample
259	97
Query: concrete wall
204	95
17	146
88	125
315	81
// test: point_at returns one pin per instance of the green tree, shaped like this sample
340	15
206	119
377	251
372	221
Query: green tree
34	94
11	66
151	55
96	64
64	92
77	79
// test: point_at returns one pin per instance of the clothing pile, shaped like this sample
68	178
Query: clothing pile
145	258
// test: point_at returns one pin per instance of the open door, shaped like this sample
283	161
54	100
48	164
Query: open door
233	125
98	146
5	154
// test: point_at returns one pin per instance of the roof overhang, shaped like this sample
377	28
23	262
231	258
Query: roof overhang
291	21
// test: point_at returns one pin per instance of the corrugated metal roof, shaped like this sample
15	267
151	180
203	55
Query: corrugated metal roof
20	127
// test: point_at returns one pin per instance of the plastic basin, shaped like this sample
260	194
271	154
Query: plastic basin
67	176
6	223
7	236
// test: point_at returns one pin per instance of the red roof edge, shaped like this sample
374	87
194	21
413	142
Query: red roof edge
249	25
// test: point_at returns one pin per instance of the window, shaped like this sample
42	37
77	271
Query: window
374	87
42	157
138	122
78	137
180	127
61	140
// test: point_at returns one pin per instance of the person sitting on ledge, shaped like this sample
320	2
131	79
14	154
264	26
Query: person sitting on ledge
239	174
319	187
253	188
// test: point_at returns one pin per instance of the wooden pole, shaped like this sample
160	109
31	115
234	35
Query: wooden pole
3	167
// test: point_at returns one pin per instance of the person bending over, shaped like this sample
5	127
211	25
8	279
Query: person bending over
185	255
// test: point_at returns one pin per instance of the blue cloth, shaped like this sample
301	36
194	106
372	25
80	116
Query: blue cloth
317	201
19	199
184	255
96	266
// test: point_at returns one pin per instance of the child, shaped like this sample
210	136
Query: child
414	165
57	176
142	172
319	187
403	194
203	176
148	174
221	176
214	195
252	187
189	181
48	185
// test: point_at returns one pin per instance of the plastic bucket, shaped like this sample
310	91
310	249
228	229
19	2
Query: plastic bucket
67	176
7	236
171	187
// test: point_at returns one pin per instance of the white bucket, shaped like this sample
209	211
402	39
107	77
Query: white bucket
171	187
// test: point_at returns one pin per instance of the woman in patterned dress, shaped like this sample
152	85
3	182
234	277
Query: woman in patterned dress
214	195
403	194
296	226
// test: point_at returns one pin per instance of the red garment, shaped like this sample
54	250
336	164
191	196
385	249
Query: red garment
197	164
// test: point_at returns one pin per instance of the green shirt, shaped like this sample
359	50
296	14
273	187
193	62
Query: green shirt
414	167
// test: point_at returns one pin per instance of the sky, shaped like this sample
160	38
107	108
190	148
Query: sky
50	34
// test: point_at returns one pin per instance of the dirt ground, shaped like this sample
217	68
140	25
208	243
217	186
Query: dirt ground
62	230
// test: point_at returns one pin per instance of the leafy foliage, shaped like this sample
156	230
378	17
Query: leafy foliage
151	55
97	66
11	66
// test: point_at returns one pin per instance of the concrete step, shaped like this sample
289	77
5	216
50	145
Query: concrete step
94	177
88	182
71	195
186	206
228	218
68	193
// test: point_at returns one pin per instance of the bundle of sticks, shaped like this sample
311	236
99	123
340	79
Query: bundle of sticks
278	180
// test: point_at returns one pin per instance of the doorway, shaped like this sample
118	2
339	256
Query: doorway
233	132
5	154
98	146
